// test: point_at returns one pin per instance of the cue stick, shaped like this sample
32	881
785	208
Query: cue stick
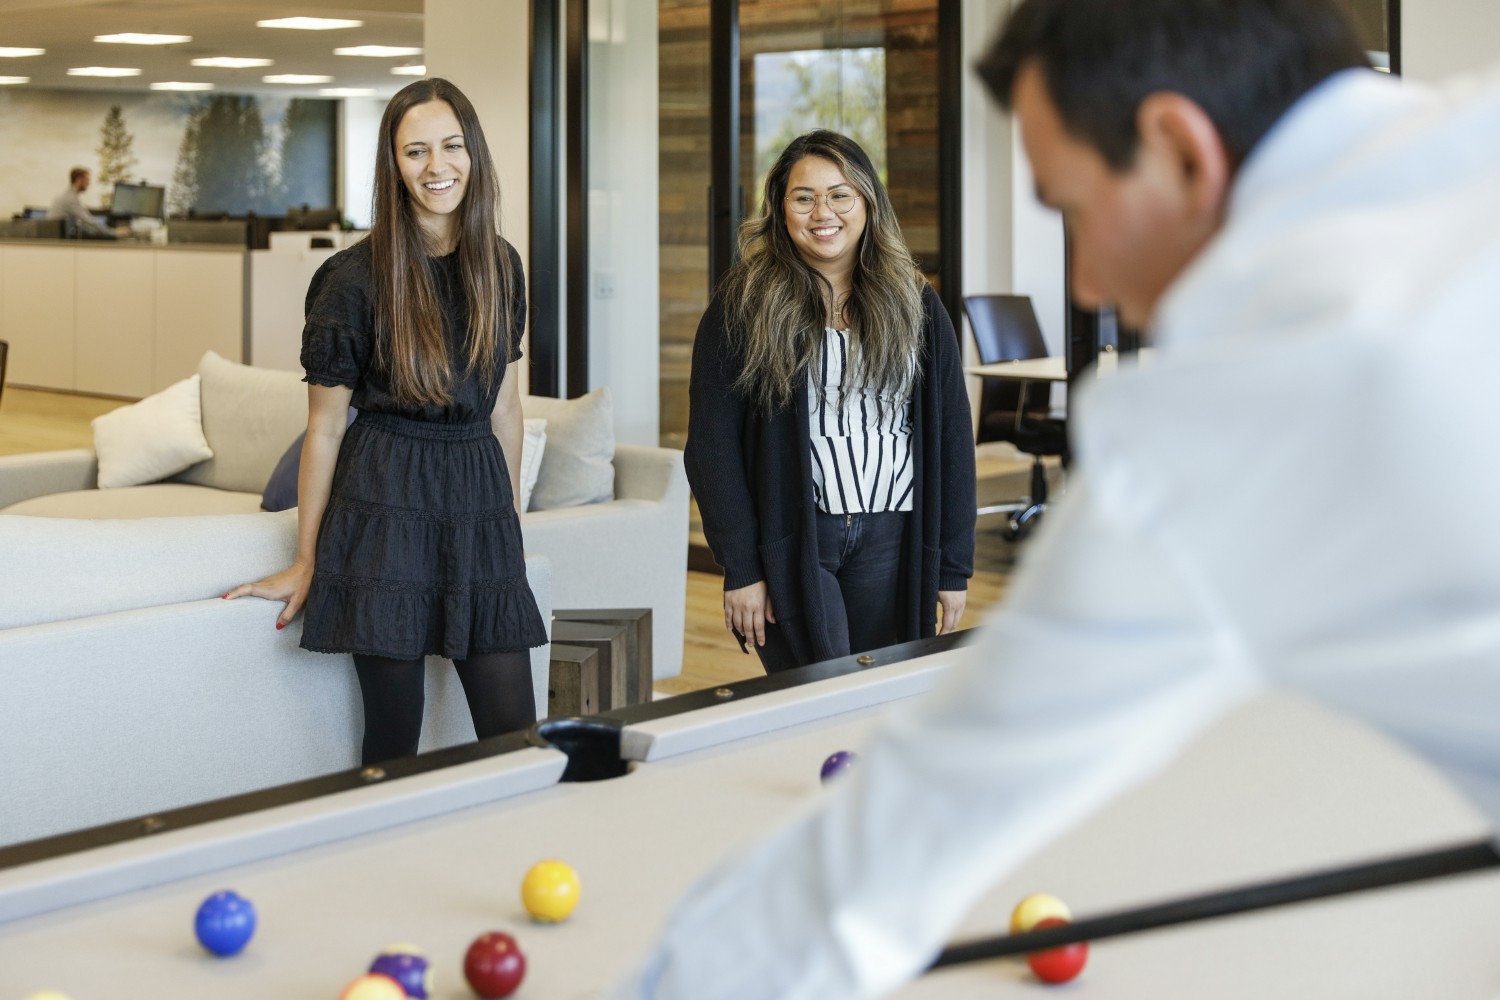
1416	867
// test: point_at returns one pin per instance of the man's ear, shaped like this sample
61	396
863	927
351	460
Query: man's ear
1182	134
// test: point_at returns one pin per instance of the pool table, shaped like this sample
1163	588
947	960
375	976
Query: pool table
435	857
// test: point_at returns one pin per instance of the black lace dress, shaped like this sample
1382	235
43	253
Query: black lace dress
420	550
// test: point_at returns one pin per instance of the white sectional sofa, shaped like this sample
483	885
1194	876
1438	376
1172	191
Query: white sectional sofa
130	687
629	551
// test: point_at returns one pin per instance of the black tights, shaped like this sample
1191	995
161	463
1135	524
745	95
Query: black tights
496	685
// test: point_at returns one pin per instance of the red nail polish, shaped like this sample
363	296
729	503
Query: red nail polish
280	626
224	598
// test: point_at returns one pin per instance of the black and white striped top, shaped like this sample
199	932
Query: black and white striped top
861	450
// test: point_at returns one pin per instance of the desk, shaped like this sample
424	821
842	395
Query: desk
1050	369
1276	788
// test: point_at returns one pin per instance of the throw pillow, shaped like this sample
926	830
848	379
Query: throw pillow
249	415
533	445
579	464
281	489
153	439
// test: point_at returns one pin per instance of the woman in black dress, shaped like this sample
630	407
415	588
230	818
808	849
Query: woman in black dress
829	441
409	539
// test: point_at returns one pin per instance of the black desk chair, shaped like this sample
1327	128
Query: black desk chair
1015	410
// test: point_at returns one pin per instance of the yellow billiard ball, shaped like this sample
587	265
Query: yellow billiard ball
373	987
1034	909
550	891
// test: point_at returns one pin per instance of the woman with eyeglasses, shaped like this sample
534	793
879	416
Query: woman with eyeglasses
829	444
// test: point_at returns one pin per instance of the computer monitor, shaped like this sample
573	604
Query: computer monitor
305	218
132	200
34	212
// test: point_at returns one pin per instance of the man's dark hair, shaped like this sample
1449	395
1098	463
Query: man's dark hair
1243	61
76	173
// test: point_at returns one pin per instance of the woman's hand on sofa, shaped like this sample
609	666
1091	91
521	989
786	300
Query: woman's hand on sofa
289	586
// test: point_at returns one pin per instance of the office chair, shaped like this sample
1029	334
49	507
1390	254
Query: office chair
1015	410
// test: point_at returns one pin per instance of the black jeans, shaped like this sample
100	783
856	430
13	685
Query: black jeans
859	557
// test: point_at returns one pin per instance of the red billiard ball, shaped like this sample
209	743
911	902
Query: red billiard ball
494	965
1057	965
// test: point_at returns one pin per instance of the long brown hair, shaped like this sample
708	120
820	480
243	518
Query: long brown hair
408	317
777	305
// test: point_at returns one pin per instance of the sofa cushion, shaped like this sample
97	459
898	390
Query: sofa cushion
578	465
150	440
533	448
57	569
250	415
154	500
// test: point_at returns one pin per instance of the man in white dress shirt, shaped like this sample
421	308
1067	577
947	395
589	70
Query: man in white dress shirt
1277	501
69	205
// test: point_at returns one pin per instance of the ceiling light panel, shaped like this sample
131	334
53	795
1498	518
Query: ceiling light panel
103	71
296	78
231	62
409	70
309	23
378	51
135	38
181	85
13	52
347	92
11	81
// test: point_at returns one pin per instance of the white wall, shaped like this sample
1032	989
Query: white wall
1011	243
624	213
358	132
1442	38
485	49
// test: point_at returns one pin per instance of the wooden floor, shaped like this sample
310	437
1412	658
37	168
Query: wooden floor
31	421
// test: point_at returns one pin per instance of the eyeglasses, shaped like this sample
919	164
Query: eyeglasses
839	201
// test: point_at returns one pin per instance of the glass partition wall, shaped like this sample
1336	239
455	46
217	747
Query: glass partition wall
867	68
670	114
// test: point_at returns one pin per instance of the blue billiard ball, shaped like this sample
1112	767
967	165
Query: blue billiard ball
837	764
224	923
408	967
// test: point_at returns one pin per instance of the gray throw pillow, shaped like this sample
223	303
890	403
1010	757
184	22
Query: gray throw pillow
578	465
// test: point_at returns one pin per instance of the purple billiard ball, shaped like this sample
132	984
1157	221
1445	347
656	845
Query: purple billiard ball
837	764
224	923
408	967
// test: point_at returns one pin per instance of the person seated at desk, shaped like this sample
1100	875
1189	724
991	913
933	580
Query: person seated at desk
69	205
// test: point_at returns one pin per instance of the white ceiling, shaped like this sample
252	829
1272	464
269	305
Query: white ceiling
66	29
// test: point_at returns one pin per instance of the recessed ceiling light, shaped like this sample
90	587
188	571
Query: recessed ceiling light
378	51
12	52
296	78
103	71
231	62
347	92
9	81
309	23
134	38
409	70
180	85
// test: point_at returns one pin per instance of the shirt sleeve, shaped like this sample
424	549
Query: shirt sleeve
338	339
518	303
1101	665
957	502
715	457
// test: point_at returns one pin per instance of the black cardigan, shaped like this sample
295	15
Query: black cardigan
752	475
